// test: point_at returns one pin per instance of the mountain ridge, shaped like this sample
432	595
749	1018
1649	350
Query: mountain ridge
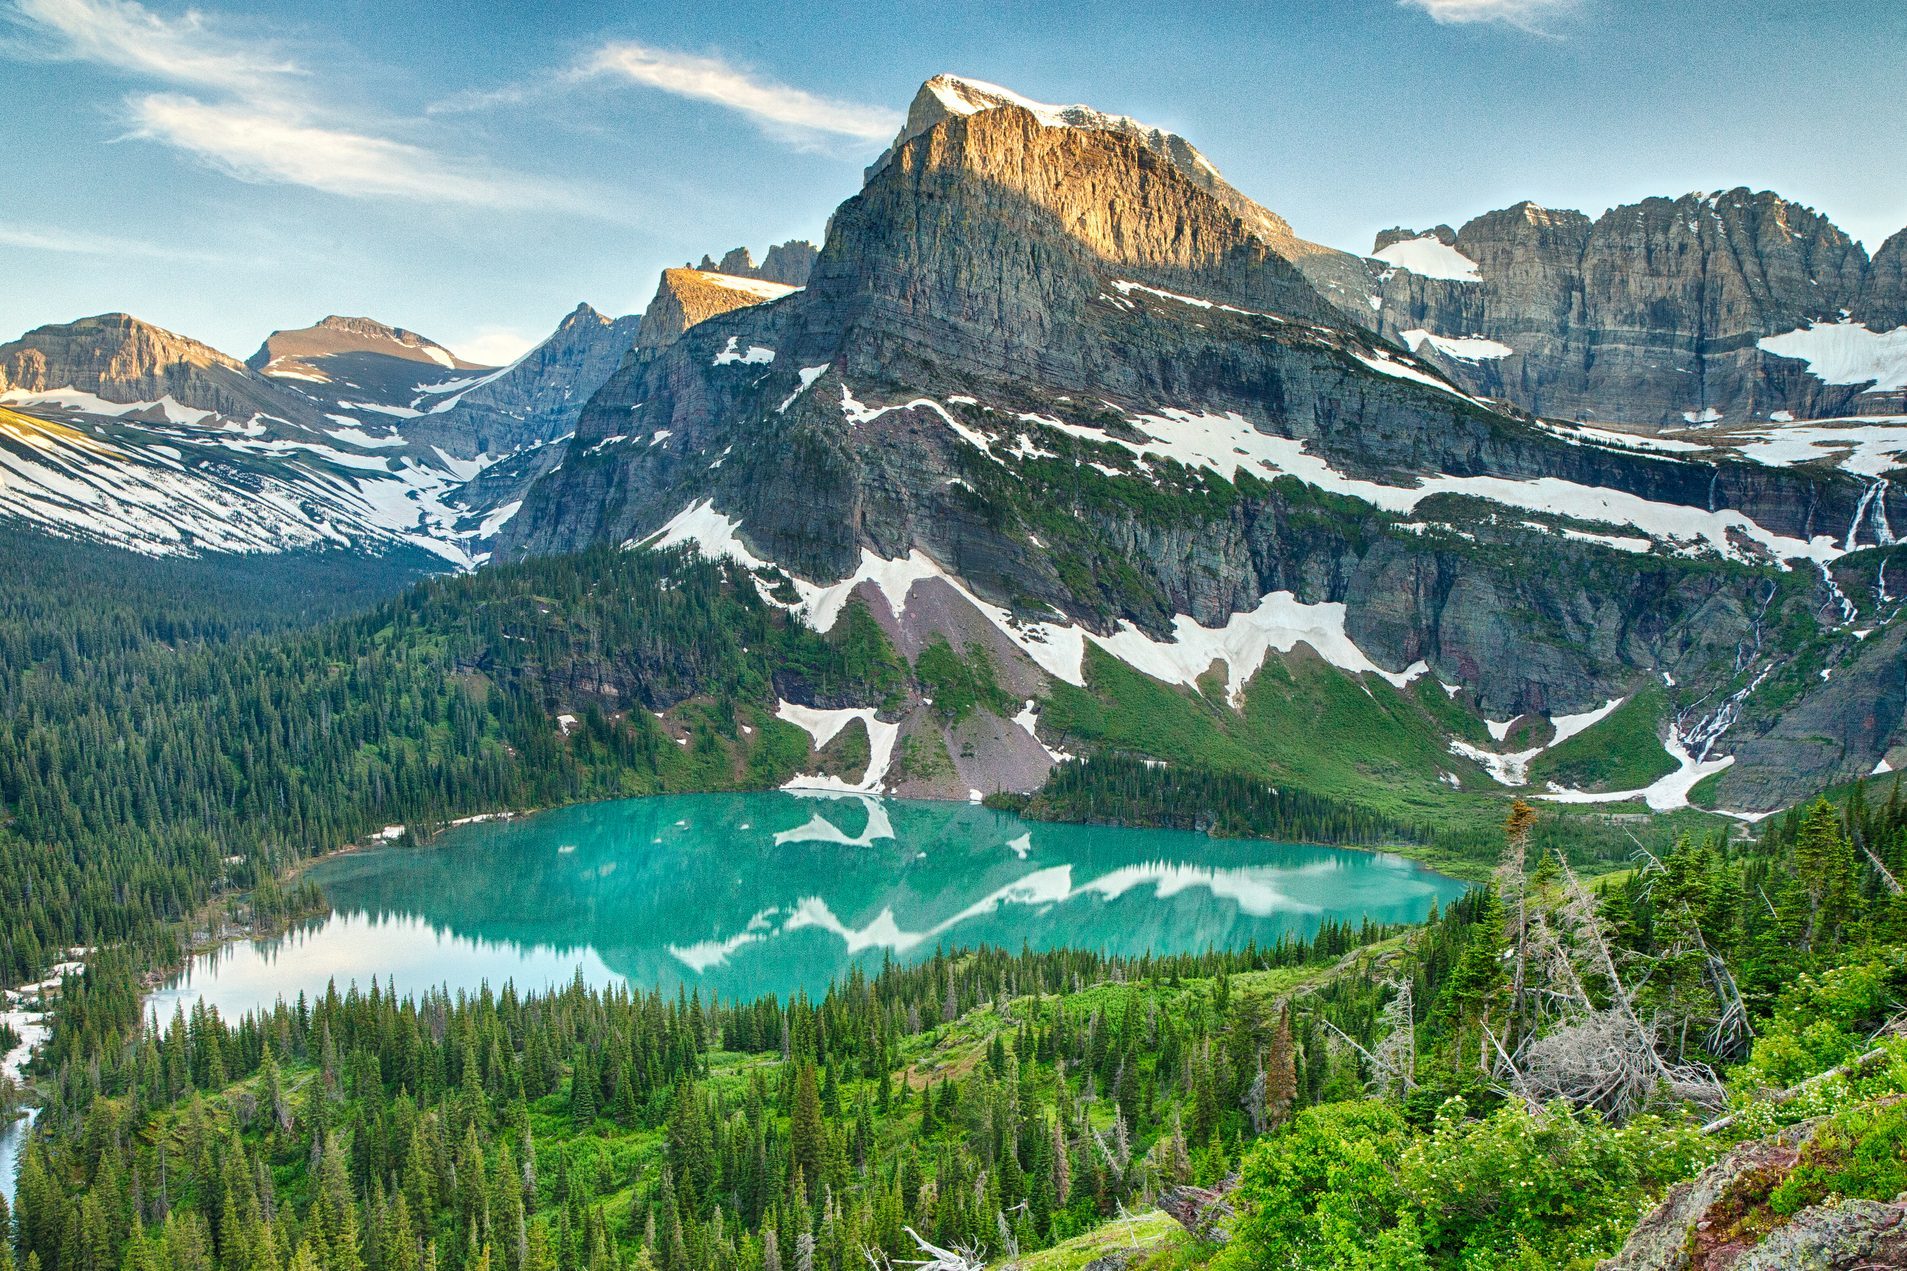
974	323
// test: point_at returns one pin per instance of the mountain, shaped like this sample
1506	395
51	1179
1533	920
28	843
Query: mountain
134	369
1727	308
685	297
367	372
118	432
1342	277
787	263
534	400
1052	401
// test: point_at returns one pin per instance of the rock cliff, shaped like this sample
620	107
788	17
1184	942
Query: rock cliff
1668	313
685	297
1044	372
119	359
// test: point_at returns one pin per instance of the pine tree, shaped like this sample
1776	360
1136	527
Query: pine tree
1281	1071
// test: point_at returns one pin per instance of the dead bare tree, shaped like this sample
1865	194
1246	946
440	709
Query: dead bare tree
1731	1030
1408	1082
1201	1210
1600	1055
1396	1055
1513	886
961	1257
1887	876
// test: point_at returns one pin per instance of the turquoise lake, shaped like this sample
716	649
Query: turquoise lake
747	894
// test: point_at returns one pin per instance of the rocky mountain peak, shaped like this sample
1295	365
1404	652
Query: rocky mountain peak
120	359
994	183
534	401
787	263
583	315
951	96
1884	298
686	296
1398	234
108	347
302	351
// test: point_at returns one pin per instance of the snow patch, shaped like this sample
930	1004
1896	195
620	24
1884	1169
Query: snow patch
1513	769
1228	443
1471	348
824	726
1429	257
754	355
1665	794
1846	352
809	374
1280	623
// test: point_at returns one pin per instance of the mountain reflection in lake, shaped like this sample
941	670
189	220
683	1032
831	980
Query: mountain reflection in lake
747	894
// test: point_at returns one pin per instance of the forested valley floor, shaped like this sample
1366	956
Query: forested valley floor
1510	1085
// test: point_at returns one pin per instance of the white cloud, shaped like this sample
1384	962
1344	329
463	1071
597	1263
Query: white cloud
1527	15
132	38
710	79
494	346
259	144
74	243
249	116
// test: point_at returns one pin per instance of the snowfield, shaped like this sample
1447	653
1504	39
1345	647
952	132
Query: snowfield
1428	257
1846	352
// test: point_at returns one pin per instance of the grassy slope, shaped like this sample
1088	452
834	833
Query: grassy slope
1622	752
1305	724
1149	1240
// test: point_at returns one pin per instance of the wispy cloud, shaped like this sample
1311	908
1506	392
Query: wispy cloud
259	144
251	114
1525	15
777	107
75	243
130	37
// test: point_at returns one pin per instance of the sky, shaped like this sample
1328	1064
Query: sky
473	170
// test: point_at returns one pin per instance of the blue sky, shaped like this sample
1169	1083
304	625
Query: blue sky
471	171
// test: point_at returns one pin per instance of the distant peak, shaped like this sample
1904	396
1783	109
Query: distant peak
289	350
787	263
154	344
964	95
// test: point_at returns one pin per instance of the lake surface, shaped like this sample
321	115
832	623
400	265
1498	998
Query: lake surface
748	894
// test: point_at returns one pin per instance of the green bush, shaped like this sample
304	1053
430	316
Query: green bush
1352	1185
1860	1154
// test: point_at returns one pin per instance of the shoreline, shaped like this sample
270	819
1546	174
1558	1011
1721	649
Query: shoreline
208	931
231	934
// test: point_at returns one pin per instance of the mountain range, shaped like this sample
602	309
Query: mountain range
1596	510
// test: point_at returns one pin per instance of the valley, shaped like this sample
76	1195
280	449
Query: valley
1061	726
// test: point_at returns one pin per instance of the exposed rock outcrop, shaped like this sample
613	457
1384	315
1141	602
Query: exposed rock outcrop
120	359
1720	1220
786	263
685	297
1654	313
